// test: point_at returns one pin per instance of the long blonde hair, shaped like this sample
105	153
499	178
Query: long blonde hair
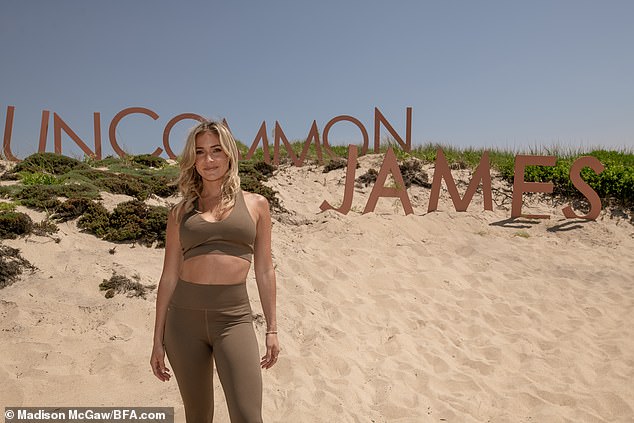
190	184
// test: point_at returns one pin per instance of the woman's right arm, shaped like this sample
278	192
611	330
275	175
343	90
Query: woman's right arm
171	271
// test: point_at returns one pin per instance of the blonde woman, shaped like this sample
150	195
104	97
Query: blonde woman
202	308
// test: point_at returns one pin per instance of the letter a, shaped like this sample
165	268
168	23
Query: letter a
379	189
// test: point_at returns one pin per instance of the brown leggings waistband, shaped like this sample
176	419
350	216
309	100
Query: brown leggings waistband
209	297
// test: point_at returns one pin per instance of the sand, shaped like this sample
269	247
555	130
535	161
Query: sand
431	317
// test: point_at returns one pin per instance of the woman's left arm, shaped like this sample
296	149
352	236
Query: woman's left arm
265	278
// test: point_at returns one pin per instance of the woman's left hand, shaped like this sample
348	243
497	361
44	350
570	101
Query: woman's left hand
272	351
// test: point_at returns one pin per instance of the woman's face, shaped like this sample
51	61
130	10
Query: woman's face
212	163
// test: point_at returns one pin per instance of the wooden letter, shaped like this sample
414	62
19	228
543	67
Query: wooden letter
313	135
380	119
354	120
44	131
520	186
115	121
8	129
168	128
389	165
585	189
261	135
482	173
279	134
97	132
59	124
349	186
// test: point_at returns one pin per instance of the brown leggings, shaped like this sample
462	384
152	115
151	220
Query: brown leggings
205	321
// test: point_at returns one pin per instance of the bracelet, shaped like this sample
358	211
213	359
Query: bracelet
272	332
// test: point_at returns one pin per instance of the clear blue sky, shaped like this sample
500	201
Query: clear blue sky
511	74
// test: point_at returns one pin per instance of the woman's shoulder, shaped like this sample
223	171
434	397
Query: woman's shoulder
256	202
255	199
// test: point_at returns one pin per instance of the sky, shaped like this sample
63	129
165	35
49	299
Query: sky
493	74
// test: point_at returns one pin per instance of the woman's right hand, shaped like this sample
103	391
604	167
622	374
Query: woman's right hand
157	361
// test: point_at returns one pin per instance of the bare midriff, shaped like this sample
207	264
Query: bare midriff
215	269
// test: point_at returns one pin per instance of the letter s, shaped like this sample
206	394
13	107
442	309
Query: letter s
585	189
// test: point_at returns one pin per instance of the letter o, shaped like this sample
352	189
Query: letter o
354	120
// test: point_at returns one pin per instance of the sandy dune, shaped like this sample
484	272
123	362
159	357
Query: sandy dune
439	317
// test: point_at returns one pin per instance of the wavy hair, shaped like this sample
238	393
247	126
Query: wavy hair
190	183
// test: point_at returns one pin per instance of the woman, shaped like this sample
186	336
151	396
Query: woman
202	307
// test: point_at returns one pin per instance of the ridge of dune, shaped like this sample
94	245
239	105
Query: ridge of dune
443	316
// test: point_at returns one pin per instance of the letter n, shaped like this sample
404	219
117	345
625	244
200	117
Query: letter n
59	124
380	119
442	171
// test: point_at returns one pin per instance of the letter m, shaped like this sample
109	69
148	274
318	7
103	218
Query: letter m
442	171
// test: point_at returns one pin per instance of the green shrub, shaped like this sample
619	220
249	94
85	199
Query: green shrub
368	178
124	184
7	206
126	221
119	284
130	221
264	168
51	163
161	186
333	164
156	224
39	197
106	162
44	228
38	178
147	160
413	173
11	265
76	207
249	169
95	220
251	177
13	224
615	182
249	183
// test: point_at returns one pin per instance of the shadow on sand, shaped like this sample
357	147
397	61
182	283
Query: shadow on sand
516	223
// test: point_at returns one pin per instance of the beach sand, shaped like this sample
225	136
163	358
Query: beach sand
432	317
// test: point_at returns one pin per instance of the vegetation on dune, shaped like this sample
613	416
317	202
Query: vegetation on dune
252	174
14	224
50	163
614	185
119	284
12	264
67	189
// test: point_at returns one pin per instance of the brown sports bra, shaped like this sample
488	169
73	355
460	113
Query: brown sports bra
234	235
